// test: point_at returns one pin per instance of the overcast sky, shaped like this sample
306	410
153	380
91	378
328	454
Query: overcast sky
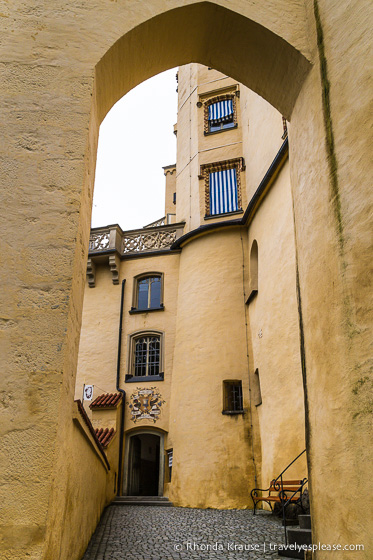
136	139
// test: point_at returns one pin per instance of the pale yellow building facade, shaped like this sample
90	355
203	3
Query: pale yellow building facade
63	67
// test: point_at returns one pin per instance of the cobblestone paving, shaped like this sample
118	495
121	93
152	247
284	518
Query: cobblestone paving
159	533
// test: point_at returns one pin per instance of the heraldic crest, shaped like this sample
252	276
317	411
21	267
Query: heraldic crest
145	404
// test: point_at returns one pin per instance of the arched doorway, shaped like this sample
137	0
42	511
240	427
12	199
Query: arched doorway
144	464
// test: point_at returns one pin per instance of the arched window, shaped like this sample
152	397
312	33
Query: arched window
254	266
253	284
148	293
145	360
257	391
146	356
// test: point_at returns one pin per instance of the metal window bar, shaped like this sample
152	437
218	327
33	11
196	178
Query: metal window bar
141	353
153	355
233	397
147	356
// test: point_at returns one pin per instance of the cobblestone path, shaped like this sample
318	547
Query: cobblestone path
160	533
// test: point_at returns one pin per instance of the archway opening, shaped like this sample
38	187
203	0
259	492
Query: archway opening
276	71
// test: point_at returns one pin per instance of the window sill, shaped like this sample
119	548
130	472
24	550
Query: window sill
252	295
134	311
210	132
232	412
214	216
143	378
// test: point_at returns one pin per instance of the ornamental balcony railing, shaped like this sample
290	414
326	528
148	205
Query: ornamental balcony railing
164	221
133	242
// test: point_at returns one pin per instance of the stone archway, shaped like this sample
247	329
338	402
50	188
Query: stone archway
55	59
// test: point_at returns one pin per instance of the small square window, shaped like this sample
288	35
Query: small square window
233	402
220	113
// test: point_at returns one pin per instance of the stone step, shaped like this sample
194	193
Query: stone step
304	521
299	536
142	501
290	522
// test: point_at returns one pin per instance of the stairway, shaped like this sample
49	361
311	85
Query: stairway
298	536
141	501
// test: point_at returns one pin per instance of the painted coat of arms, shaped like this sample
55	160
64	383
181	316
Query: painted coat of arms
145	404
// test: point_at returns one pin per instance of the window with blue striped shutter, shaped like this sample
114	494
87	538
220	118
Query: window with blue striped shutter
223	191
221	112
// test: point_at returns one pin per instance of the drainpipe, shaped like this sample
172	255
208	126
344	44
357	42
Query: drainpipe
121	429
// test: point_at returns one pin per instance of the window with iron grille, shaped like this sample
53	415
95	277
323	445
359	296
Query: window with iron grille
233	403
146	358
147	352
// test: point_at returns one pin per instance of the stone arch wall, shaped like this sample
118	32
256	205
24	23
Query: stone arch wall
50	69
207	33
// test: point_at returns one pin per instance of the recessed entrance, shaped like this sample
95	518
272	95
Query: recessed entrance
143	465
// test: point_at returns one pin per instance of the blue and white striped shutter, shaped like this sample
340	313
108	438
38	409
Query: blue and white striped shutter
223	192
221	112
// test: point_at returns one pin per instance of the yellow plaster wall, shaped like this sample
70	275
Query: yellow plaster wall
262	132
170	207
187	148
90	488
337	311
99	340
194	148
274	330
97	360
210	348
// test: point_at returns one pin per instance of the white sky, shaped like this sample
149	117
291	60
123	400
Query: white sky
136	139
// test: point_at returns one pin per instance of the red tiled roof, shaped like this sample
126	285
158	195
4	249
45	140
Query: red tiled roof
88	423
106	400
104	435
